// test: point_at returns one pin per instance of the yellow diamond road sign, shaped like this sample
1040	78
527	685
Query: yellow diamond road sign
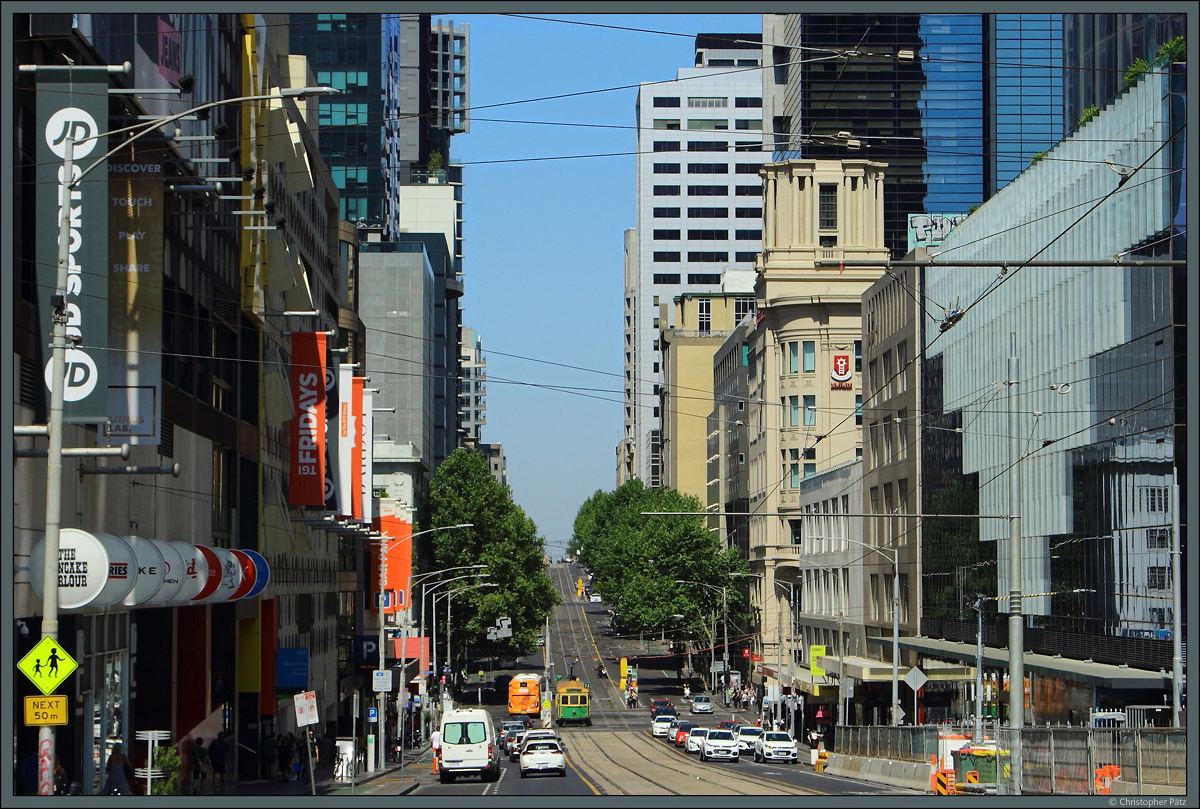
47	665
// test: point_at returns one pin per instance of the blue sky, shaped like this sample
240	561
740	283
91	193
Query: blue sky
543	239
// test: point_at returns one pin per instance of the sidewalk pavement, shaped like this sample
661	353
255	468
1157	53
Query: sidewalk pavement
417	771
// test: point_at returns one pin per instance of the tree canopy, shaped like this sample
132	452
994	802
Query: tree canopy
504	539
637	560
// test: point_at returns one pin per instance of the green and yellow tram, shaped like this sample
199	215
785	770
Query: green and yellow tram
572	703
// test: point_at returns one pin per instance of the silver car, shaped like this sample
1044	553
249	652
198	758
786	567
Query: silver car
702	703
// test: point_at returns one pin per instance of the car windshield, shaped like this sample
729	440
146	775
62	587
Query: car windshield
541	747
700	698
663	719
720	735
697	732
778	737
750	731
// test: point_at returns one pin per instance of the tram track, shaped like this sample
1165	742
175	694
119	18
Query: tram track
617	756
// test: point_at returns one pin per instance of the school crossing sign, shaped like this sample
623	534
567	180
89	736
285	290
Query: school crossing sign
47	665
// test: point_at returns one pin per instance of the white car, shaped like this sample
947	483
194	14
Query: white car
660	724
746	736
543	755
719	744
595	599
775	745
694	739
702	703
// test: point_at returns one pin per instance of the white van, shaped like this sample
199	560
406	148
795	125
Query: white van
469	745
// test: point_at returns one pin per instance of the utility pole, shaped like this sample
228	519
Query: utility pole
1016	626
1176	620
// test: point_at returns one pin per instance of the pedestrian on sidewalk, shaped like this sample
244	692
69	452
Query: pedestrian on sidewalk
269	756
201	766
119	772
217	751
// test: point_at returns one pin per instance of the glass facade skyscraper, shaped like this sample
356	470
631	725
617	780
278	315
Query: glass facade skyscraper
979	98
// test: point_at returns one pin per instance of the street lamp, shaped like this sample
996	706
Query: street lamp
433	586
404	634
69	180
724	623
449	594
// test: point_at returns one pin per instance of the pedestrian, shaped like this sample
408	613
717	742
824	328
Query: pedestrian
27	775
201	766
118	773
268	755
284	753
217	751
435	744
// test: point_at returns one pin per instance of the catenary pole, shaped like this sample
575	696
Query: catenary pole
1016	627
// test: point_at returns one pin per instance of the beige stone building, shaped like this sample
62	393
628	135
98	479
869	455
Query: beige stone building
703	320
805	384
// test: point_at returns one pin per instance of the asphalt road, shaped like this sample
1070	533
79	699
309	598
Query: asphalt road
617	755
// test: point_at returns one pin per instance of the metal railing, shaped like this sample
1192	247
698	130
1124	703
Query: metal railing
1056	760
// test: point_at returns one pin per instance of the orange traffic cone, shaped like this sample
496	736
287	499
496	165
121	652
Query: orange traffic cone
435	763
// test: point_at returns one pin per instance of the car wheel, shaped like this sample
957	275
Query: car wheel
523	773
447	777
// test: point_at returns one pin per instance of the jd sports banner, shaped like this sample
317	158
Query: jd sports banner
79	108
306	485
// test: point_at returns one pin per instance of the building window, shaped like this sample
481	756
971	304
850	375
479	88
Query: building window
748	235
666	146
810	453
666	190
748	168
810	469
666	213
704	278
708	213
666	123
745	255
741	458
708	146
704	315
666	278
748	123
810	356
707	102
748	213
747	191
708	235
1158	538
748	102
810	411
1155	498
793	411
747	146
707	256
708	168
827	206
666	168
793	358
742	307
858	356
702	124
665	255
781	131
708	190
667	235
1158	577
661	101
858	408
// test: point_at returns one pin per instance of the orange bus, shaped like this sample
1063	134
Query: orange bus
525	695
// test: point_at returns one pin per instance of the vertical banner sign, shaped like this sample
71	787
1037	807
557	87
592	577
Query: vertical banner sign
398	549
306	485
345	438
78	108
368	455
332	445
135	294
356	455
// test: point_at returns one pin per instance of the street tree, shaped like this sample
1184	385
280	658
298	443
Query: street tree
503	538
636	559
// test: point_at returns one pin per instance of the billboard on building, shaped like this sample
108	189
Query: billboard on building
306	483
